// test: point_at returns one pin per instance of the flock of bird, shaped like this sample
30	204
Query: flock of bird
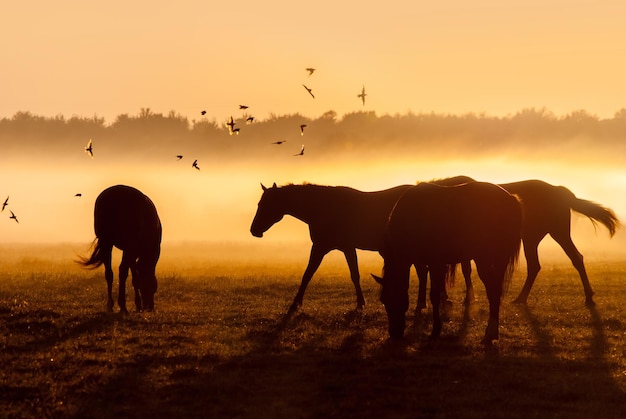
230	124
89	150
4	205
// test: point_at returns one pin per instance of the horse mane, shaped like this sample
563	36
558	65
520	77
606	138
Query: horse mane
450	181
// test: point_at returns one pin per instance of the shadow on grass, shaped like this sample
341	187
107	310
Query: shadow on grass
417	377
290	372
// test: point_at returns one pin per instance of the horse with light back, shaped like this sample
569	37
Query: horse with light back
439	227
127	219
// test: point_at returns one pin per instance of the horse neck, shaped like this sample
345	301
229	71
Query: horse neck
302	202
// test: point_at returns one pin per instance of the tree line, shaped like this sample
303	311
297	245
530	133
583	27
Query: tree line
363	133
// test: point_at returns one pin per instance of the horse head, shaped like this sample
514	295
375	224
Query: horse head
394	295
146	282
269	211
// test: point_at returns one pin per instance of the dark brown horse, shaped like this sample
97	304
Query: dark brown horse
547	210
439	227
127	219
338	217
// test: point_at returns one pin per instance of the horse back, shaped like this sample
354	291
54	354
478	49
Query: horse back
434	224
126	218
354	219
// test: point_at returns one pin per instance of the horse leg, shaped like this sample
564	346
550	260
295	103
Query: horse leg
135	280
422	281
108	275
315	259
493	278
565	241
437	284
466	268
532	267
124	266
355	276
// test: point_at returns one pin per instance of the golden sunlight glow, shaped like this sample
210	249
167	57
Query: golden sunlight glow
201	62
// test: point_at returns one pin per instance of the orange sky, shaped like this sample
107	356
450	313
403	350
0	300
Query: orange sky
106	59
84	58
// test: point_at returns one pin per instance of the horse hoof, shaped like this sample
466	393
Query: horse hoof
519	300
590	303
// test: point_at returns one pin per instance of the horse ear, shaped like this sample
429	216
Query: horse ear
263	187
274	185
377	279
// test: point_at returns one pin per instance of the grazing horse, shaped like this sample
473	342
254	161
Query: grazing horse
547	210
439	227
127	219
338	217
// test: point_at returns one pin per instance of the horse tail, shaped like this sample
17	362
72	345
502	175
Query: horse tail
595	212
514	240
450	275
95	260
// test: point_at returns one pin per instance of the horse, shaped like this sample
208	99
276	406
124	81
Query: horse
126	218
547	210
439	227
339	218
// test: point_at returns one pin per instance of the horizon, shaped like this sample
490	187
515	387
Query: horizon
450	57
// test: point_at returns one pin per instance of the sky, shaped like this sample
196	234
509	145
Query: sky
77	58
93	58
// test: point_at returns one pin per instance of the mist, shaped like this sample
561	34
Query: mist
44	166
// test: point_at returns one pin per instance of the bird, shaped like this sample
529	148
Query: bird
179	157
195	165
231	125
301	153
6	202
203	113
243	107
362	95
310	70
79	194
249	120
310	91
279	142
235	131
89	149
302	127
13	217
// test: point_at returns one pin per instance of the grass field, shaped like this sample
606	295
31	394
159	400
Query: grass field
221	345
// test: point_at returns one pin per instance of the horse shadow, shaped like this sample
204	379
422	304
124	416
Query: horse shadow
348	371
416	377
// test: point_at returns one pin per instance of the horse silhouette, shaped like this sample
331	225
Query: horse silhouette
547	210
127	219
439	227
339	218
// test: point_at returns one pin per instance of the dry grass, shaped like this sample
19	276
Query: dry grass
221	345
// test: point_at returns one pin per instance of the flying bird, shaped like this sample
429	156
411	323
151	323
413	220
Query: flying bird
310	70
243	107
249	120
6	202
362	95
231	125
203	113
310	91
235	131
195	165
13	217
89	149
301	153
279	142
302	127
179	157
79	194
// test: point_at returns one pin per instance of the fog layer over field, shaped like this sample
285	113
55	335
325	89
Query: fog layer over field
43	166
